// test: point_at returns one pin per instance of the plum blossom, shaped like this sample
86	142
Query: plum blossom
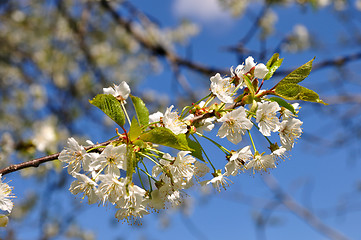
290	130
222	88
235	124
121	91
266	117
171	121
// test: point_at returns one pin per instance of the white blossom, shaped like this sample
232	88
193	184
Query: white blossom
155	117
222	88
266	117
73	156
238	160
260	71
121	91
235	124
261	163
132	203
290	130
112	159
181	169
171	121
86	186
219	180
288	114
201	169
5	197
111	188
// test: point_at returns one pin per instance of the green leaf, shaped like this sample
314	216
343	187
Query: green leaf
141	110
249	85
273	64
110	106
299	74
197	152
135	130
291	91
166	137
283	103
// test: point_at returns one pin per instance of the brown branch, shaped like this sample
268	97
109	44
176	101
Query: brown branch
38	161
301	211
79	35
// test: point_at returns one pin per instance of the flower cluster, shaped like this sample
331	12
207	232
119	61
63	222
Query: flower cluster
132	172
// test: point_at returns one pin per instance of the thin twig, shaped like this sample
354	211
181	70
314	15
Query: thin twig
38	161
301	211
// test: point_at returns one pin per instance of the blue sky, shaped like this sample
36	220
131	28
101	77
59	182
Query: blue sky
318	178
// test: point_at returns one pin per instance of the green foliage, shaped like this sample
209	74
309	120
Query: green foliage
292	91
273	64
135	130
196	149
110	106
283	103
299	74
141	110
289	89
166	137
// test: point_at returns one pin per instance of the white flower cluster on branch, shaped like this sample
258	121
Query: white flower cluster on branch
135	175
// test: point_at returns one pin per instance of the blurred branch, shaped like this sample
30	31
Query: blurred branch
156	49
300	211
80	37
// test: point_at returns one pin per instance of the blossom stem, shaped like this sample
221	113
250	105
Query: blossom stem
125	112
209	100
205	154
225	150
149	177
250	137
140	178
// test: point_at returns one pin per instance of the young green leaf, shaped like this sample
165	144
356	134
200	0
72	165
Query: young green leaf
273	64
141	110
283	103
135	130
110	106
299	74
197	152
166	137
291	91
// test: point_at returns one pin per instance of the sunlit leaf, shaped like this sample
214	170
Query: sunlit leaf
299	74
166	137
273	64
110	106
141	110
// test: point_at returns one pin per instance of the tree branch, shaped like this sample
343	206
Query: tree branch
38	161
301	211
